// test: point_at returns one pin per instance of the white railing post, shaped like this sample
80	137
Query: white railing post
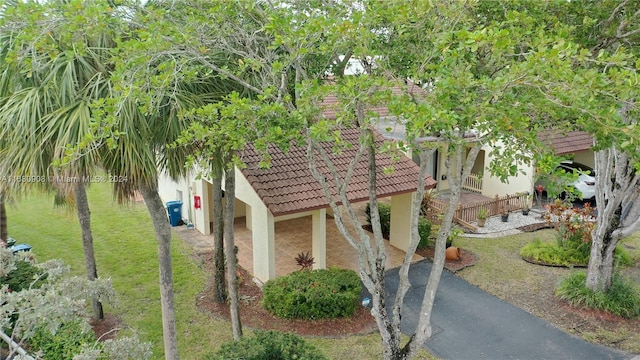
15	345
473	183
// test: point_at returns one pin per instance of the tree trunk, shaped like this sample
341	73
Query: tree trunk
4	232
617	201
600	270
163	237
458	169
232	275
219	278
603	247
389	329
84	217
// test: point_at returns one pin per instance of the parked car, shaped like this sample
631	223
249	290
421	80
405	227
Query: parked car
585	184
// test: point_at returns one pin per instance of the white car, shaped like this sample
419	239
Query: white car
586	182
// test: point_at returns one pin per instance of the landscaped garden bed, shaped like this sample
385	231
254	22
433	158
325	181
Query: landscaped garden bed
255	316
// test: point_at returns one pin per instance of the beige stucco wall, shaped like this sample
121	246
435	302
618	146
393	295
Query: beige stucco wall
401	211
261	222
585	157
522	182
168	190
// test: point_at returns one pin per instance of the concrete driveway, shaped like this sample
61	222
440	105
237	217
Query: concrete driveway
469	323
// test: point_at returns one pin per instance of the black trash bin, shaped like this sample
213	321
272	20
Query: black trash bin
175	212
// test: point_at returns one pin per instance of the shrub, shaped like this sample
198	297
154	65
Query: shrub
385	218
267	345
424	230
622	257
424	226
23	276
66	342
553	254
573	225
317	294
623	297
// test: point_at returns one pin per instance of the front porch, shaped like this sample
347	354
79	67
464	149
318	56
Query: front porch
293	237
470	203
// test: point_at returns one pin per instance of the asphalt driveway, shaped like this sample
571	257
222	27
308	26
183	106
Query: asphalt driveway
469	323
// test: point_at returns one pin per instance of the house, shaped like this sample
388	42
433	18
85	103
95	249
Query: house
577	144
480	181
287	190
481	189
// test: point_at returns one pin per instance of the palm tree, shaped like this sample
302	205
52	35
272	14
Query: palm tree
138	157
45	109
50	119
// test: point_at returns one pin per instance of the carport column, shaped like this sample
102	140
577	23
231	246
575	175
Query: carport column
264	249
248	218
319	238
401	213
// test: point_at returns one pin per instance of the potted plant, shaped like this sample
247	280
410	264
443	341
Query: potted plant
504	214
453	252
482	216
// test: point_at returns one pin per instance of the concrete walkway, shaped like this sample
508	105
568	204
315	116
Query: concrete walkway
469	323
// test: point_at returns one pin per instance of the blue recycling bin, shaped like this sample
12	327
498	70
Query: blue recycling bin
175	212
20	247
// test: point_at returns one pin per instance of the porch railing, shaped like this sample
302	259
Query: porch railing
468	213
473	183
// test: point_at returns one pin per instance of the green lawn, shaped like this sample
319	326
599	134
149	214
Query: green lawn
126	252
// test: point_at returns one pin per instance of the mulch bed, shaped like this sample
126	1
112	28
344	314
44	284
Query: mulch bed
254	316
467	258
536	262
106	328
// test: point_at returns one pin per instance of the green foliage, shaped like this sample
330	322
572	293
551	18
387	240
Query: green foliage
552	254
424	226
318	294
24	276
385	218
424	230
67	341
622	257
573	237
622	298
574	253
482	213
267	345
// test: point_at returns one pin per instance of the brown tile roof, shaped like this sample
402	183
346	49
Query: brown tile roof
288	187
566	143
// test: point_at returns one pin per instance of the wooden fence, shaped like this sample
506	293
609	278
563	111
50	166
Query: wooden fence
468	213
